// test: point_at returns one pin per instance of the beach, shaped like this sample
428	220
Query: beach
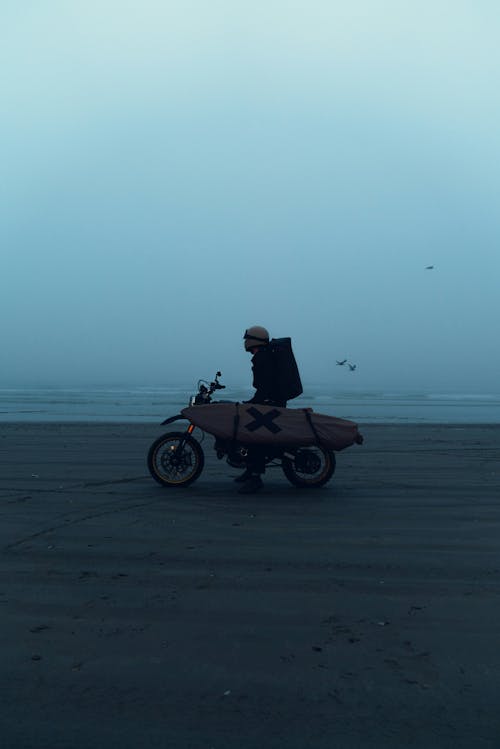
362	614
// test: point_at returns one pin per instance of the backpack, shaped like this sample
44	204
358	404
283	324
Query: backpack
287	375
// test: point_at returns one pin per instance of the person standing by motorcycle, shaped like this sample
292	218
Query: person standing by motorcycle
267	392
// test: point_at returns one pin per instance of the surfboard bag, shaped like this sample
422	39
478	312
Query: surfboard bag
254	424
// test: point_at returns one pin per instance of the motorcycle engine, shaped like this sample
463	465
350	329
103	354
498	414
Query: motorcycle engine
237	458
235	461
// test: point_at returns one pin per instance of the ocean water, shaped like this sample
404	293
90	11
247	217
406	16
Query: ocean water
153	404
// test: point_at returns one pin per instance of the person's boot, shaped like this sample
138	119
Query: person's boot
244	476
252	485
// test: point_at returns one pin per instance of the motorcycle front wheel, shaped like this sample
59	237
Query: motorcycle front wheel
175	459
310	467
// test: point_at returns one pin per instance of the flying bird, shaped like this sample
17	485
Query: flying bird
429	267
352	367
341	363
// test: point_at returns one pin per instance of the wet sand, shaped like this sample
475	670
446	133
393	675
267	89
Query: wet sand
364	614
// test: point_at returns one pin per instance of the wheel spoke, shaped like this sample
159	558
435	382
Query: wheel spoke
311	467
175	459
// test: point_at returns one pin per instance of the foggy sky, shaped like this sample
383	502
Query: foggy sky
174	172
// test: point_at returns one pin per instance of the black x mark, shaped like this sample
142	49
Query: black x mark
263	420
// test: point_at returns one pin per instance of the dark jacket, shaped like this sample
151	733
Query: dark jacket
265	381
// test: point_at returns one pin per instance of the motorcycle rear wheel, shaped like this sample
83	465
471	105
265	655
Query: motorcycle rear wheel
320	477
171	467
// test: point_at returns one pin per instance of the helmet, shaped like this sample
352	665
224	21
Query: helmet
255	336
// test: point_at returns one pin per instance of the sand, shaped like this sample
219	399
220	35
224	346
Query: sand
364	614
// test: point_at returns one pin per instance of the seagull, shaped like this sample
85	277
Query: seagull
429	267
341	363
352	367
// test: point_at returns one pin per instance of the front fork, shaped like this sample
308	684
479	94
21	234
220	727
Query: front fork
188	433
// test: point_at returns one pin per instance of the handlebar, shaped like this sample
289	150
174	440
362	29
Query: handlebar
205	392
215	385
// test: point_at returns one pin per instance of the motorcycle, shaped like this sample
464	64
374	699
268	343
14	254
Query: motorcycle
177	459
